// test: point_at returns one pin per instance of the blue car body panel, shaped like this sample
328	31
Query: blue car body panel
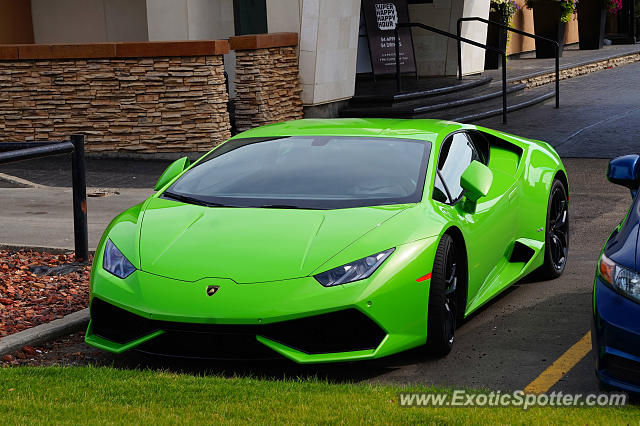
616	318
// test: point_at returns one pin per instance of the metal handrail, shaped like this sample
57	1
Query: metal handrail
460	39
517	31
19	151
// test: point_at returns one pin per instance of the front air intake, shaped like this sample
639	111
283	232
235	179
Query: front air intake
341	331
118	325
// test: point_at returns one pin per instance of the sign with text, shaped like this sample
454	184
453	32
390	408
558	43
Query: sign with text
381	17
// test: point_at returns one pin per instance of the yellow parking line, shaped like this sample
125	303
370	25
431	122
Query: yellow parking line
561	366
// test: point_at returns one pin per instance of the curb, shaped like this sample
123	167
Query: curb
571	66
44	332
52	250
544	77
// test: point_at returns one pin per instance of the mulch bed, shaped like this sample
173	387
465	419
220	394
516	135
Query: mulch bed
69	350
39	287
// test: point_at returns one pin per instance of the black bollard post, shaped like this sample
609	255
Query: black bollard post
78	173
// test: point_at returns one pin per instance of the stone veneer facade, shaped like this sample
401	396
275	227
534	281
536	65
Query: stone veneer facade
128	97
267	79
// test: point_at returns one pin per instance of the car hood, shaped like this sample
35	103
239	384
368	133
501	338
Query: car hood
248	245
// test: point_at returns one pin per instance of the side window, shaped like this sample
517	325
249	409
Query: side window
439	191
481	145
457	152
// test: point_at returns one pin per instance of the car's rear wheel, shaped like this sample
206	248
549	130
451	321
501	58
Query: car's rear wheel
443	298
556	233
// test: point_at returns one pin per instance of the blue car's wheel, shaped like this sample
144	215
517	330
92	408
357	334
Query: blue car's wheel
557	233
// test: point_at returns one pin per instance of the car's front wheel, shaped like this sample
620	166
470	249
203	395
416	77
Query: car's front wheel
557	233
443	292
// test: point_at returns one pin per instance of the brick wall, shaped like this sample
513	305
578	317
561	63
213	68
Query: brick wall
127	97
267	79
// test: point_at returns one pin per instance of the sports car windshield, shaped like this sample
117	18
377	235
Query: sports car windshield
307	172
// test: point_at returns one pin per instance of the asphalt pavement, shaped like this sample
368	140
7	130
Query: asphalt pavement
508	343
43	216
101	172
599	115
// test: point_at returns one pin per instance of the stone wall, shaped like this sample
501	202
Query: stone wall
577	71
127	97
267	79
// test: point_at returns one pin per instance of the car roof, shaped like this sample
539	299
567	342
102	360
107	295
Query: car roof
424	129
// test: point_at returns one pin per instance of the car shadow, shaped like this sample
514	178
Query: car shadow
271	369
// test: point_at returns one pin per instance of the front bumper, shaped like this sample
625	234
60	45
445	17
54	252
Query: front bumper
297	318
616	338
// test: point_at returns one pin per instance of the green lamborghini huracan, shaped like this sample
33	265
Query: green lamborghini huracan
329	240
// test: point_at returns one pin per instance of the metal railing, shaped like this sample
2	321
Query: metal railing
459	39
19	151
514	30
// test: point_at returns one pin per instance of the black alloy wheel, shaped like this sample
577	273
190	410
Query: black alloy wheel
443	298
557	232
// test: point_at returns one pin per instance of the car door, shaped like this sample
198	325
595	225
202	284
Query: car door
489	230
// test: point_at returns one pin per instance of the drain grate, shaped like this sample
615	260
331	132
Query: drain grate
98	193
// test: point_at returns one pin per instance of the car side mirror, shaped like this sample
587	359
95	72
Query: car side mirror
625	171
476	181
172	171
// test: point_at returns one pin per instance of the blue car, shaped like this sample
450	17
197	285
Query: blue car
616	293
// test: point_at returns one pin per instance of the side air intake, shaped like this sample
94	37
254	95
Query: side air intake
521	253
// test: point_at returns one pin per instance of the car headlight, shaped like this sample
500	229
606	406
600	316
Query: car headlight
620	278
354	271
113	261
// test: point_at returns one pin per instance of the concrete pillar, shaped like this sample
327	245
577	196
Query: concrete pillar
167	20
283	16
88	21
472	57
328	49
126	20
436	54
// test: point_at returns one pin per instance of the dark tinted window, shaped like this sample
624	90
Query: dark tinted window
458	151
309	172
439	191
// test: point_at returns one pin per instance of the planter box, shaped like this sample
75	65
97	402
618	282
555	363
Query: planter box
592	17
546	21
496	37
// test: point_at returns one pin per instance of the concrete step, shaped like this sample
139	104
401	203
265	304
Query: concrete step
471	113
428	105
384	91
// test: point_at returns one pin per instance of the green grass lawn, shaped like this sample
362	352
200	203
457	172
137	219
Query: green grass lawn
55	395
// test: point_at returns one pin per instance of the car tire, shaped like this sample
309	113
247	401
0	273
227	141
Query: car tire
443	300
556	244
